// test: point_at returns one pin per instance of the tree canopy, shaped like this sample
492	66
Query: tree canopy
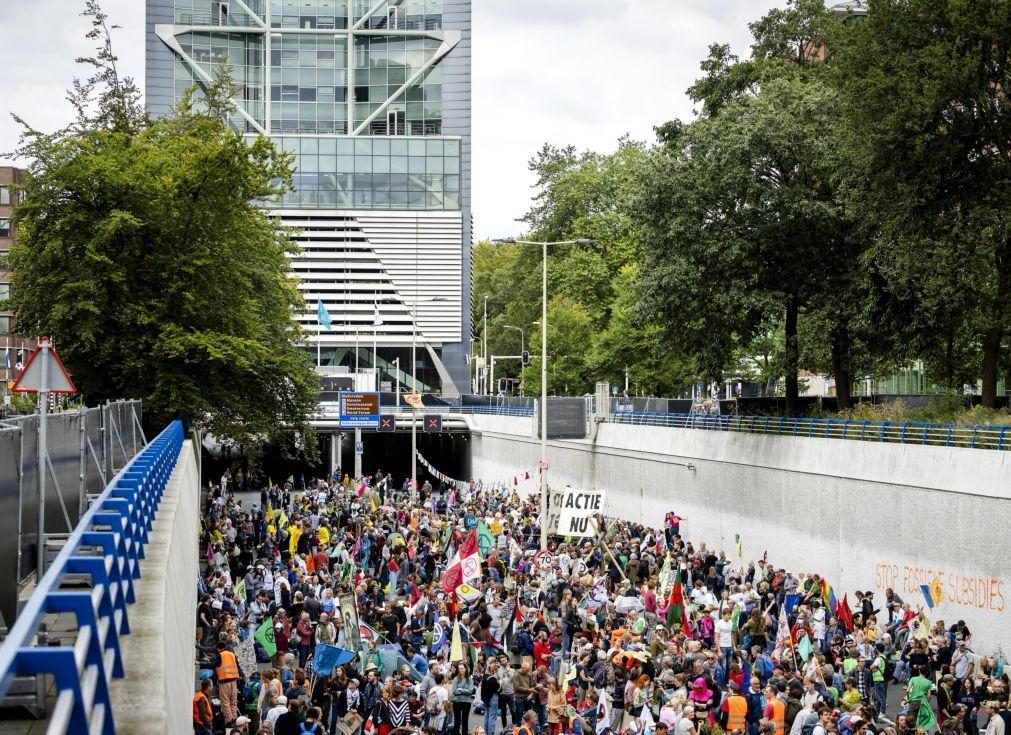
142	254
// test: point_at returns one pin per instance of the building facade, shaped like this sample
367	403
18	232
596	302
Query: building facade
372	97
14	348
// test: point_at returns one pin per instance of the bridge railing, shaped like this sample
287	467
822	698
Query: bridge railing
468	410
897	432
106	546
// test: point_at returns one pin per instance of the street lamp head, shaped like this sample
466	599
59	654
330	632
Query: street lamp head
585	241
504	240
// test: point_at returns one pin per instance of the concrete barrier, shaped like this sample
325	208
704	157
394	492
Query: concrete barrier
865	515
159	654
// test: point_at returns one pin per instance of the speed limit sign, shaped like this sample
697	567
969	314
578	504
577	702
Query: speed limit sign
543	560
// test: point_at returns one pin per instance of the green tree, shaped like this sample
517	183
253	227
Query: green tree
141	252
924	87
630	344
570	331
744	220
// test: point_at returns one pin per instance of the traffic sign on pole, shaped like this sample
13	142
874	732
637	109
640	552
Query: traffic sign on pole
44	372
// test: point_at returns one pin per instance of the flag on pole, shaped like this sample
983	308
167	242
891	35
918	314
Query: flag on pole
265	636
456	647
485	540
828	594
790	603
740	545
676	604
783	638
933	593
322	315
845	615
804	648
327	658
464	566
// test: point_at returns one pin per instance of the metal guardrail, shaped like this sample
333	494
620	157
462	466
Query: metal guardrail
106	545
996	438
896	432
469	410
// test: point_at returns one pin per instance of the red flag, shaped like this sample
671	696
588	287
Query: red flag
516	481
845	615
526	475
453	577
468	547
517	616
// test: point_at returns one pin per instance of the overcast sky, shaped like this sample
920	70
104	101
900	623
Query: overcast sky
580	72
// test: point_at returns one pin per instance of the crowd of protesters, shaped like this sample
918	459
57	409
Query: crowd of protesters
636	630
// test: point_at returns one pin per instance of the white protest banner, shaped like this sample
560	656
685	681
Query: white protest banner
245	656
571	510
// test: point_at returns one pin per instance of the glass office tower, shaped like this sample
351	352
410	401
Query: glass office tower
373	99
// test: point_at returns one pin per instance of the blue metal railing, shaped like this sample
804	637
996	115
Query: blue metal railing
897	432
107	545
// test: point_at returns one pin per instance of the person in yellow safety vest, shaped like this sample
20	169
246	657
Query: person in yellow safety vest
226	669
735	709
775	709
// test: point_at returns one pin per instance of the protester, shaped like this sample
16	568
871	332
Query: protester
452	603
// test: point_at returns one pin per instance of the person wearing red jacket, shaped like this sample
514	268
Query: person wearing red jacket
542	651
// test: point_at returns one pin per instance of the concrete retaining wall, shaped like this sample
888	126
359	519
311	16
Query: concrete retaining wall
159	655
865	515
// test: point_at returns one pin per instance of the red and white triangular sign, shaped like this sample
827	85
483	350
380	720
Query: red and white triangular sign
44	363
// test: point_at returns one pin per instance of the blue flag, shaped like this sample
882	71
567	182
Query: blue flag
790	603
322	315
327	658
745	677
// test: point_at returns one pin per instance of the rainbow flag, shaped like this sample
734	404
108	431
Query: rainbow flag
830	601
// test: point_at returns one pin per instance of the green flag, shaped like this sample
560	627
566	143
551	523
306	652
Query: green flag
240	588
736	618
485	540
804	648
265	636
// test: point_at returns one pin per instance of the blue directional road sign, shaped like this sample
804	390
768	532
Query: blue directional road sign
359	410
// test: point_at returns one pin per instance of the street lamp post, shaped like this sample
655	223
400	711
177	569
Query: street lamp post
484	349
544	372
510	326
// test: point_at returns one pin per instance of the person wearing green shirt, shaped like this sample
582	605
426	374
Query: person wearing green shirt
850	695
918	697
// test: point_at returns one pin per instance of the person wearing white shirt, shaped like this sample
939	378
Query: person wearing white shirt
725	638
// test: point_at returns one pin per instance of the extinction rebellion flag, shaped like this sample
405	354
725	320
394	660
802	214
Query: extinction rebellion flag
265	636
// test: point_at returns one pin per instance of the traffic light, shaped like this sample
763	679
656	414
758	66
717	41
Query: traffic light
503	385
526	357
433	424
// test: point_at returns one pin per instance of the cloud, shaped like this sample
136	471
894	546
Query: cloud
583	72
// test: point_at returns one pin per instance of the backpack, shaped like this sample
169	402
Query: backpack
250	695
304	730
432	703
810	722
600	677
